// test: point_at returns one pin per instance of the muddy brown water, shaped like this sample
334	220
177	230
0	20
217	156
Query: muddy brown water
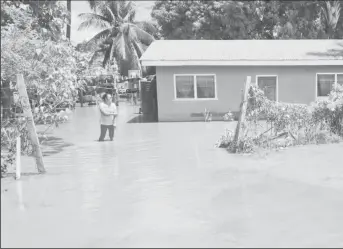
165	185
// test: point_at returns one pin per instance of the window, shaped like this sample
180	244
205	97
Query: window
205	87
195	87
184	87
326	81
268	84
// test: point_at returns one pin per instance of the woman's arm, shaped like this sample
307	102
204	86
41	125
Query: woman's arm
104	111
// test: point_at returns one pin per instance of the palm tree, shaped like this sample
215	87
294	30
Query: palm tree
69	24
331	13
120	38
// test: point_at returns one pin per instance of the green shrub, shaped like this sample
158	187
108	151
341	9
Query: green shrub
225	140
229	116
287	124
329	112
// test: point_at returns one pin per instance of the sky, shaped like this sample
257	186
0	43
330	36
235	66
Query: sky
142	13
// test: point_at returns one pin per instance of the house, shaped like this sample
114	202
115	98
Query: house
196	74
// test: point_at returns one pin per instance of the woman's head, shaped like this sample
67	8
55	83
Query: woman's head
106	97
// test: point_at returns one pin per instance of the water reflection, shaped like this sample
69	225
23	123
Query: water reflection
19	188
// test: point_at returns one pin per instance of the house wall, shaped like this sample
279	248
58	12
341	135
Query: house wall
295	85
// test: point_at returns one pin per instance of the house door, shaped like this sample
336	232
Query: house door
149	99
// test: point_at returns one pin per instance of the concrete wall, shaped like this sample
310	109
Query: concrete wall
295	85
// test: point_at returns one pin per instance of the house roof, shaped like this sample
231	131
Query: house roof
243	52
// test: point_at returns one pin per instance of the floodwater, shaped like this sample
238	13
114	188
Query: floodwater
165	185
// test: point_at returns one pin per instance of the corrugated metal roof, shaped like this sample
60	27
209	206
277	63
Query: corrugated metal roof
248	51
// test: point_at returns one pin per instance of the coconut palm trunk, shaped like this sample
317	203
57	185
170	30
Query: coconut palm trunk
69	24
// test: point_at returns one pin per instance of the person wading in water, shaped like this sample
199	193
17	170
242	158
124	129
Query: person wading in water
108	114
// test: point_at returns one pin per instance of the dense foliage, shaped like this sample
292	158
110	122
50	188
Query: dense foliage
48	17
273	125
249	19
49	64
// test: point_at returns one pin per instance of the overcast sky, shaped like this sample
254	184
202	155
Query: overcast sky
77	7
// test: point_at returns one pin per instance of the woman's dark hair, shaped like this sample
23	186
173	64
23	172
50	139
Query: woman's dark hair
104	96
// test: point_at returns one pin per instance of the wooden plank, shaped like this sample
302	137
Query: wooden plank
241	119
18	159
24	99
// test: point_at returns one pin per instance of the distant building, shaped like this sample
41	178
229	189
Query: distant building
196	74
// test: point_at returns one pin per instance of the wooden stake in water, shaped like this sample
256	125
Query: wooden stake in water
18	161
30	125
243	110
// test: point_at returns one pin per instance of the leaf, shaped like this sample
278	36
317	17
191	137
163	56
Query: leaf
54	87
38	51
94	20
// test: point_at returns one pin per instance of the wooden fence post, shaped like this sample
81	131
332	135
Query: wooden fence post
241	119
24	100
18	161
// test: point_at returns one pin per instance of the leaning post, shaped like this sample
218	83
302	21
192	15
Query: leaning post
24	100
241	119
18	159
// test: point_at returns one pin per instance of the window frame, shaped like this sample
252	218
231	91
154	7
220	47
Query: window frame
316	84
195	88
276	86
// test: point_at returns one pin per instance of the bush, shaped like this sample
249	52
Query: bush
273	125
229	116
50	68
330	112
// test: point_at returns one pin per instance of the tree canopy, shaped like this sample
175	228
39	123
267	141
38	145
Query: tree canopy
249	19
121	40
49	17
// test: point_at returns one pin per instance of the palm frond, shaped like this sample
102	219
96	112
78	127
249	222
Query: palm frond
127	11
87	16
132	16
141	35
93	20
120	46
101	36
138	47
115	7
331	13
93	4
108	9
96	56
135	63
148	27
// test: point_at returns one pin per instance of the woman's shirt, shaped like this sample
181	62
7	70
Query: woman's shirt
106	118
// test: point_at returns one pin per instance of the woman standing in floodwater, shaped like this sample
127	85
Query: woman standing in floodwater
108	114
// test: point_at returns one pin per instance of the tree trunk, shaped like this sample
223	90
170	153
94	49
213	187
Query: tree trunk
69	25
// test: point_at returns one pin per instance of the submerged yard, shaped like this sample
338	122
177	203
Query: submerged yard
165	185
